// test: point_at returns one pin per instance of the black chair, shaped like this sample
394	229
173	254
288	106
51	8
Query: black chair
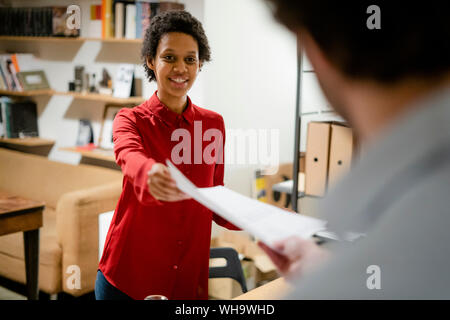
233	268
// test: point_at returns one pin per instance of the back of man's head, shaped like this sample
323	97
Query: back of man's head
400	40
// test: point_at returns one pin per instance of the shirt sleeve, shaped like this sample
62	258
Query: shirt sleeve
131	155
219	172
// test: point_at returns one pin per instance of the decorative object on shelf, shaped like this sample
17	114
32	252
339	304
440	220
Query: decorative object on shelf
33	80
79	71
136	88
123	81
59	24
85	133
106	137
93	87
85	84
19	118
260	186
105	83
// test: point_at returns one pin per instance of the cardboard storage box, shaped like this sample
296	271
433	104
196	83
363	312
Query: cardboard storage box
284	173
330	147
256	265
342	147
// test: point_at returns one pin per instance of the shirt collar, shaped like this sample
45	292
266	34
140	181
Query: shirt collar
167	115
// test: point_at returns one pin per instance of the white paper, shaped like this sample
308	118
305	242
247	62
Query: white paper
266	222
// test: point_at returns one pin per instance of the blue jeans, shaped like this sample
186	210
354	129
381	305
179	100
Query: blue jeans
106	291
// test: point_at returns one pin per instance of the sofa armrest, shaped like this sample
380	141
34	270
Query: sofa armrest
77	232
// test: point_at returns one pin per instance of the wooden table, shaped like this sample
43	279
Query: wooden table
18	214
274	290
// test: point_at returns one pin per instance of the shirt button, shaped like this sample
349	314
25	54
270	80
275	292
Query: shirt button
175	267
179	242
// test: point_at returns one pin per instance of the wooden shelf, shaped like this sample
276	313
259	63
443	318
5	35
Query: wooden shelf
31	93
98	154
102	97
76	95
114	40
70	39
27	142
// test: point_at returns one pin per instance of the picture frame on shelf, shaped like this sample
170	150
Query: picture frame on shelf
106	138
33	80
124	81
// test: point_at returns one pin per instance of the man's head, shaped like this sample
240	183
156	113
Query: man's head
413	43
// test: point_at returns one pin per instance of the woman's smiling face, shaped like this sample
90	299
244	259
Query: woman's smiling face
176	64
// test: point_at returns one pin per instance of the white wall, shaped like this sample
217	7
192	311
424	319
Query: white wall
252	78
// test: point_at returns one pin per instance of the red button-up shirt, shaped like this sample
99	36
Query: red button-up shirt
155	247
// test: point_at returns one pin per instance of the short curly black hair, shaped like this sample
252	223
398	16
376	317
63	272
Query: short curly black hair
413	40
173	21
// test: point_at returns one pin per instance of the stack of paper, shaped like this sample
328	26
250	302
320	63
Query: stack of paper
266	222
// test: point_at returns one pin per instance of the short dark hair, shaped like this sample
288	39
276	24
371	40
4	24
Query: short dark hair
413	42
173	21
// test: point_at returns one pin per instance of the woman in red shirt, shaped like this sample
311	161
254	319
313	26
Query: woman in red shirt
158	241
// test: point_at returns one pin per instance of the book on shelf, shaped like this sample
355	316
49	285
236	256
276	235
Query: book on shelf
95	21
36	21
8	72
130	21
107	19
119	25
19	118
132	18
11	65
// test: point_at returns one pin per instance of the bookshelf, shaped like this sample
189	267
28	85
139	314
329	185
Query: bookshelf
102	98
27	142
31	93
96	157
33	145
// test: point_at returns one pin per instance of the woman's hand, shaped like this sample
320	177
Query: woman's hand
295	256
161	185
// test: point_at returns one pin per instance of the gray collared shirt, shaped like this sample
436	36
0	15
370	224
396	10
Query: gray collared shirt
398	195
